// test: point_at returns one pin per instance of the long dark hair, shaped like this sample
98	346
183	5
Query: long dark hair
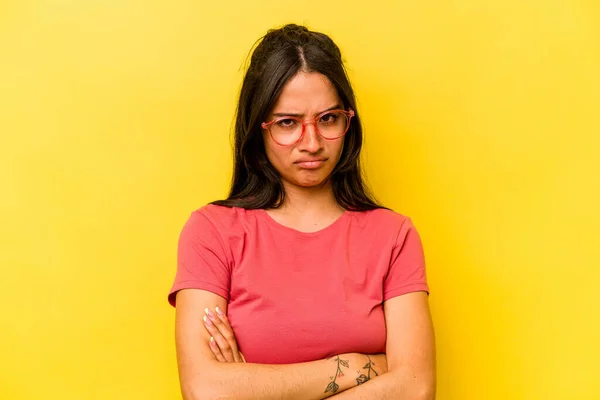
279	56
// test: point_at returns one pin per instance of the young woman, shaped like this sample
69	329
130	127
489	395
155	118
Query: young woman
322	289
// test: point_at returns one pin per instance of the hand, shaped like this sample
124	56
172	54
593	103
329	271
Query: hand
222	341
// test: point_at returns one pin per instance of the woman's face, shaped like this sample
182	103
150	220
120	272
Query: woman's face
309	162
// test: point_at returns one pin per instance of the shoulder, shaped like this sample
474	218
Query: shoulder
385	226
383	218
220	218
215	227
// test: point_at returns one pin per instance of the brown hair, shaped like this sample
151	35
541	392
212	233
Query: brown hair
279	56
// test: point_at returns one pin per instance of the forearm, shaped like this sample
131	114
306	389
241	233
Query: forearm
393	385
246	381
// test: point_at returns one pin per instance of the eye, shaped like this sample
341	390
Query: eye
329	118
286	123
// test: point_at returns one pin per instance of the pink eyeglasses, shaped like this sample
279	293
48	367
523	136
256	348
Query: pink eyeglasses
288	130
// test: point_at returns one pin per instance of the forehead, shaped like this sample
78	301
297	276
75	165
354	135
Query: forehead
307	92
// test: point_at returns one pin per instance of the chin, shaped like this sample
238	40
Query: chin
307	178
310	182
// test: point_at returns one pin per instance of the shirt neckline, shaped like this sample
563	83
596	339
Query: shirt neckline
271	221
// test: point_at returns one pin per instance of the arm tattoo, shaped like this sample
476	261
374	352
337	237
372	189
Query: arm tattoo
369	367
333	386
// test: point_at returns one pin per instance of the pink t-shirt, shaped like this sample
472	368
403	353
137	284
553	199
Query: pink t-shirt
295	296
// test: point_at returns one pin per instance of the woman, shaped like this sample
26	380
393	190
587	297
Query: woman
324	288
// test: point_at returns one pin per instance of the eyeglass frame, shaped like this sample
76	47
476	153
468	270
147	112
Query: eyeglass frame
349	114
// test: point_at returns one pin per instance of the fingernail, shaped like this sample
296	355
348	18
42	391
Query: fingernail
207	321
209	313
219	311
212	341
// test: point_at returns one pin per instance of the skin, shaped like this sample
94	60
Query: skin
310	204
307	94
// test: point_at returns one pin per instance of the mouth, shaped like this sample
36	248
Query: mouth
311	164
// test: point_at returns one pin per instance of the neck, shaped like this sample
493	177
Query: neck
310	201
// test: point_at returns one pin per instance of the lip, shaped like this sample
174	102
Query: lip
311	163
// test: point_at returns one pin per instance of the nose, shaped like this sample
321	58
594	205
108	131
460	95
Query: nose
311	142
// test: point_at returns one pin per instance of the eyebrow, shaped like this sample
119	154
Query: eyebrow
282	114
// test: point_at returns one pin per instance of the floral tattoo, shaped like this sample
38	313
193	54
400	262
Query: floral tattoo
333	386
362	378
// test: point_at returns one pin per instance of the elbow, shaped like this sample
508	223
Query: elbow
421	389
202	394
426	393
190	391
201	390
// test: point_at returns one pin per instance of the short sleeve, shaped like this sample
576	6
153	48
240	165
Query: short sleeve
407	268
201	259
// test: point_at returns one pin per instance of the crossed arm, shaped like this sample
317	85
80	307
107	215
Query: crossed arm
410	350
410	360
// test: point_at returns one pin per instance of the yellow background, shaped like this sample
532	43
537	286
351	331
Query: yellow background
482	124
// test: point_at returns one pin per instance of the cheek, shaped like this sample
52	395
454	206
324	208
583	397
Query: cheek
338	148
275	154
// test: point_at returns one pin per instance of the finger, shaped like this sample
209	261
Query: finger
215	335
230	351
215	349
242	356
229	334
219	339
